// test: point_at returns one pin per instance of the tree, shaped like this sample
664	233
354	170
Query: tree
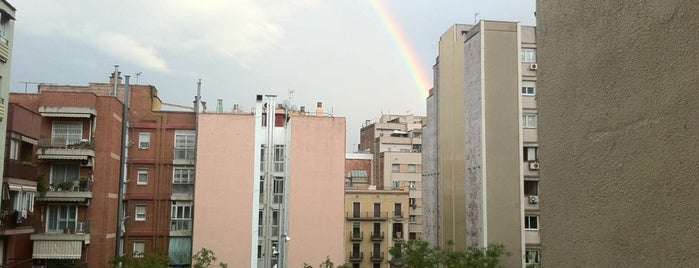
148	260
326	264
204	258
418	254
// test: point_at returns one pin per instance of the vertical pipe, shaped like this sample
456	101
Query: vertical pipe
197	100
116	81
122	167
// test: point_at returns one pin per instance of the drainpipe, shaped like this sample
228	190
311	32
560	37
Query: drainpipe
122	170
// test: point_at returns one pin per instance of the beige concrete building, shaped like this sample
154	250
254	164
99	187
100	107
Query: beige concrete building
7	26
375	221
481	142
269	188
619	133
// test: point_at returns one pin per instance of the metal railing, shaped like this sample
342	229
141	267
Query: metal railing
66	143
376	256
356	236
181	225
356	256
375	236
366	215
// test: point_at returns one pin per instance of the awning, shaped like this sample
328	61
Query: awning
71	112
63	157
57	249
30	140
21	188
358	173
61	199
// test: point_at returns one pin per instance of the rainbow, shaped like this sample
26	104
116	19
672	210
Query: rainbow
406	50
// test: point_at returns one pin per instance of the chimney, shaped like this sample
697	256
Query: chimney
319	109
303	110
219	106
236	108
111	78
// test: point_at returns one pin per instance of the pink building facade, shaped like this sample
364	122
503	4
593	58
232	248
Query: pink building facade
267	196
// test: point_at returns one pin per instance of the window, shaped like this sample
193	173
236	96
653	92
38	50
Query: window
412	219
183	175
14	148
142	176
23	200
528	91
411	184
61	218
279	158
412	168
529	55
396	185
181	216
184	144
532	256
531	188
66	132
278	190
263	164
528	120
64	173
275	222
395	167
530	153
412	201
143	140
531	222
397	210
4	20
140	213
138	249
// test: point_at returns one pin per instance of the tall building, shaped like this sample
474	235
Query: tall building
481	148
395	141
78	162
269	186
19	187
7	25
619	136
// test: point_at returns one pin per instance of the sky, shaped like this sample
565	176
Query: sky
361	58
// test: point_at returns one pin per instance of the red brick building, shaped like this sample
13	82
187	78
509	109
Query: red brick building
78	158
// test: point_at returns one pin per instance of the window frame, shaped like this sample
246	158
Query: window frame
536	187
139	172
395	168
412	168
536	259
528	55
528	222
144	140
183	211
526	91
59	218
140	215
183	170
185	144
412	185
412	219
529	120
138	254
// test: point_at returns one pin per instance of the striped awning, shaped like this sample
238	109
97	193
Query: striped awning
358	173
60	249
60	199
70	112
63	157
21	188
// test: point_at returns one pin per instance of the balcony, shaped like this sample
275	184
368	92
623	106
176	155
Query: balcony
356	256
19	170
60	148
356	236
78	232
376	236
398	216
181	225
376	256
75	191
16	222
371	216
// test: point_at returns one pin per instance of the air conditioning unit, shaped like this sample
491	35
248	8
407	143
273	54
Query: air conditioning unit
533	199
533	66
533	165
86	162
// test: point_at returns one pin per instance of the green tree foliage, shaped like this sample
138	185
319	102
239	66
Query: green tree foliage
150	260
418	254
205	258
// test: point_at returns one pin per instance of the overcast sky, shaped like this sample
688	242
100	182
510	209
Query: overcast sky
352	55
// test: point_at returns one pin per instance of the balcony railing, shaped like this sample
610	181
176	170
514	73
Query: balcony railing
356	256
80	227
66	143
356	236
13	219
367	215
376	236
20	170
376	256
77	231
70	191
181	225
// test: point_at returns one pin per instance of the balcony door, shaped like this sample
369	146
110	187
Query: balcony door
60	218
66	132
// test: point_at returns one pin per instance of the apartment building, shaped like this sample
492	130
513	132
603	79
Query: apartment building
619	134
19	187
7	25
395	141
269	186
78	162
480	173
375	221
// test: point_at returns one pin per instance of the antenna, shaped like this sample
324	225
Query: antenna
475	17
137	75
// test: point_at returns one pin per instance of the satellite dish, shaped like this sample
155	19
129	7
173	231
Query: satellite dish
294	108
285	104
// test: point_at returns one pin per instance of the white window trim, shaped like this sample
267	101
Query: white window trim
526	221
526	120
143	140
525	93
141	216
142	246
537	254
142	171
412	185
